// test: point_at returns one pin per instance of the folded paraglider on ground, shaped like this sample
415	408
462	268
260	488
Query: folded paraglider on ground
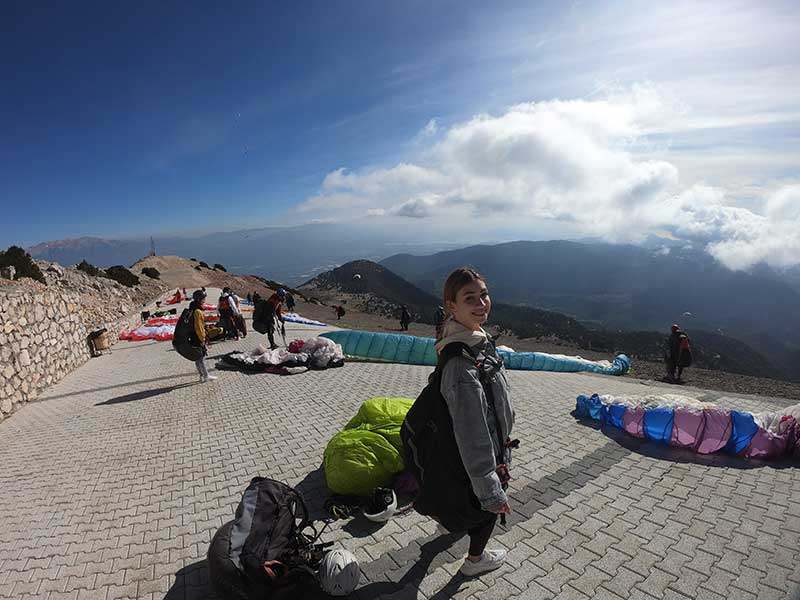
364	464
702	427
295	318
161	329
301	355
368	452
414	350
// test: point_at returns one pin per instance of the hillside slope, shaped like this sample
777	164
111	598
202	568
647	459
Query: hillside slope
179	272
628	287
374	288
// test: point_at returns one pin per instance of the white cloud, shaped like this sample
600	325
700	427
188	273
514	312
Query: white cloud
568	162
774	237
430	129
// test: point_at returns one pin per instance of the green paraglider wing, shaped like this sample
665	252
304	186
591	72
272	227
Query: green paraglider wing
368	452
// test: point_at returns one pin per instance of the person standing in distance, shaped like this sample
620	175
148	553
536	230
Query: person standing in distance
199	334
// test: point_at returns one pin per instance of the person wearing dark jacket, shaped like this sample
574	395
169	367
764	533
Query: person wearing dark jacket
673	350
270	311
405	318
478	401
228	311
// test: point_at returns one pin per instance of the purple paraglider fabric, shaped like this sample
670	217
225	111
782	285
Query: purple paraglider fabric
684	422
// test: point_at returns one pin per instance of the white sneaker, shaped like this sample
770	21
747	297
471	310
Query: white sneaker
212	378
489	561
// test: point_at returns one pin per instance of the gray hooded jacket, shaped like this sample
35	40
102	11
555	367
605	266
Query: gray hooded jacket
475	423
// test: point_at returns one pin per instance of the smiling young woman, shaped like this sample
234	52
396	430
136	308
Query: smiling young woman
476	392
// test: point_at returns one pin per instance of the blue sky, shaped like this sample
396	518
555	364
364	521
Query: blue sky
120	120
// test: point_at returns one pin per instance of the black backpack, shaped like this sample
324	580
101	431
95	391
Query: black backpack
184	339
432	455
684	352
264	551
262	316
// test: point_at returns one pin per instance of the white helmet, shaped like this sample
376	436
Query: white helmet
382	506
339	573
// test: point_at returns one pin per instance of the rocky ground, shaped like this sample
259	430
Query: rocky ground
103	300
177	272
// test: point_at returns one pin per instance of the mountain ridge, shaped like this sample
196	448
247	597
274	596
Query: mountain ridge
367	280
630	288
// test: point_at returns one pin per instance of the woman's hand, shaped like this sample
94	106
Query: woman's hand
501	509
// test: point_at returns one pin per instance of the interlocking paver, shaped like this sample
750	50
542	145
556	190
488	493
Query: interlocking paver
147	471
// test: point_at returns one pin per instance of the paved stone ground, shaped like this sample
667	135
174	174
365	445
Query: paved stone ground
112	485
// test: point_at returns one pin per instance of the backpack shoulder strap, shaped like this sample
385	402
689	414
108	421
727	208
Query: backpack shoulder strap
452	350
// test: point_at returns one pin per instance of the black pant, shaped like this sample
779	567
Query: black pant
479	536
229	326
671	368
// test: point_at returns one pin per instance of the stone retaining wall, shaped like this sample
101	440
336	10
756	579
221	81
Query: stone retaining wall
42	338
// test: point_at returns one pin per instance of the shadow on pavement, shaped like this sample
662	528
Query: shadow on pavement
359	526
652	449
417	571
191	583
118	385
116	348
144	394
314	491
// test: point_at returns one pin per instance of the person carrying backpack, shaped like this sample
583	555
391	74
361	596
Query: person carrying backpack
673	350
198	334
456	436
266	313
289	302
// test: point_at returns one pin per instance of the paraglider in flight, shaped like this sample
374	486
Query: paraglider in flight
357	276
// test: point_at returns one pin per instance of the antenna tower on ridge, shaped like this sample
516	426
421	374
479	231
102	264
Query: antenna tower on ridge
152	247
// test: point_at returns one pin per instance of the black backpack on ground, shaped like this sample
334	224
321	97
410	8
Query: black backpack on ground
432	455
263	553
184	339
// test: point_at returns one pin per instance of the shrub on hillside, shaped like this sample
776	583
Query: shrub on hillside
193	259
198	268
89	268
204	264
151	272
219	267
22	262
122	275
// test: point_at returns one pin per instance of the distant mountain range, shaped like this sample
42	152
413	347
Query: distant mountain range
290	254
711	350
599	285
624	287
